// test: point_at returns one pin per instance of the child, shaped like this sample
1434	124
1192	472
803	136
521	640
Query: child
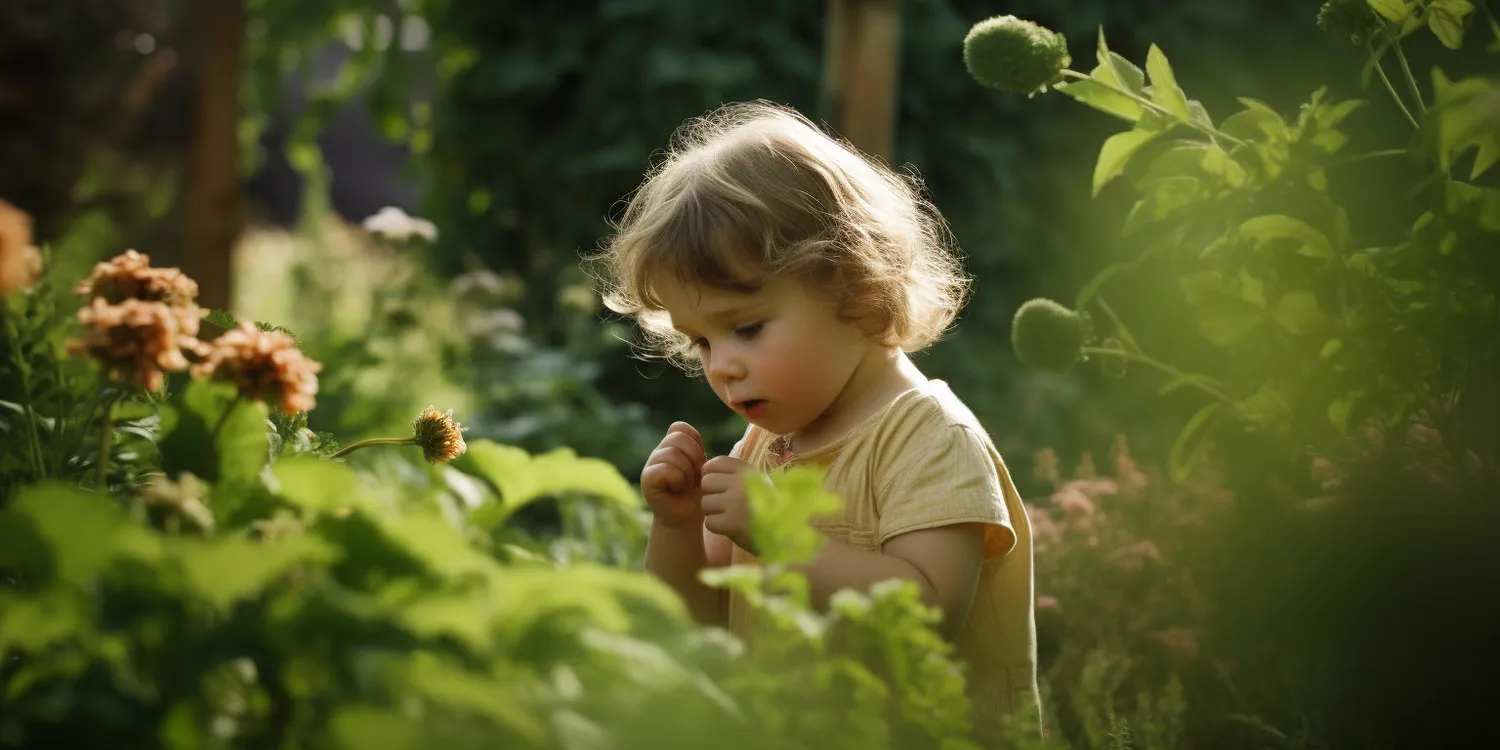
796	276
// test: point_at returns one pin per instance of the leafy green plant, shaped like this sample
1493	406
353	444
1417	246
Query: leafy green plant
1322	327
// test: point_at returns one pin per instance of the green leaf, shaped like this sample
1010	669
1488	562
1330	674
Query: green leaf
1298	312
522	478
317	484
221	318
1116	153
1164	89
1119	71
360	727
449	685
782	506
1266	409
426	537
1164	198
82	533
1225	314
1192	441
227	570
1339	411
1392	10
1099	96
1464	114
1446	19
1310	242
188	444
32	623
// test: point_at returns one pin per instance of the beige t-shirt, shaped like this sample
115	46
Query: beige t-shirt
923	462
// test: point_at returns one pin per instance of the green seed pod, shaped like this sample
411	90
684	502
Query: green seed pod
1048	336
1015	56
1112	365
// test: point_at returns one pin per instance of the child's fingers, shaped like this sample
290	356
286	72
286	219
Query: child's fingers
672	455
690	448
666	476
686	429
724	465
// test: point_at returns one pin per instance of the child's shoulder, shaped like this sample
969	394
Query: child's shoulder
927	418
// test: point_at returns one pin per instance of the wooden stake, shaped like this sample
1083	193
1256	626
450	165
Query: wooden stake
212	205
860	67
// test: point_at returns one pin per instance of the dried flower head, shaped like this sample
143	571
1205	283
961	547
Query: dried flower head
1015	56
130	276
137	340
441	438
1354	18
266	366
1048	336
20	263
184	499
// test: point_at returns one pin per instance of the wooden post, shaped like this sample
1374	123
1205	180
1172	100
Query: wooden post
212	204
860	67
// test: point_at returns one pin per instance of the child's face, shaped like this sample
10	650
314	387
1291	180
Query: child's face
780	356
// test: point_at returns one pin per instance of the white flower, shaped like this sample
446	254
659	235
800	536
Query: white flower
394	224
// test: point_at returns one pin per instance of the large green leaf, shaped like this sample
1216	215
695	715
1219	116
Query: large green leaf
1299	313
1225	313
1164	88
523	478
1116	153
1310	241
1162	199
188	424
1465	114
1446	19
82	533
317	484
1392	10
227	570
496	700
1111	86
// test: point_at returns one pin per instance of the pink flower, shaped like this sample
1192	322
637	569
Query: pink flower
1046	603
1043	529
1072	501
1095	488
1133	557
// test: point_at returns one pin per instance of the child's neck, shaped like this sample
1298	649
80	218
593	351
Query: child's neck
879	378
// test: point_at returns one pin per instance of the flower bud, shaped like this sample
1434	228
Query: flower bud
1015	56
1047	336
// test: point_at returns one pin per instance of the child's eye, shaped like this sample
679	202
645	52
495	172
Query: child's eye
749	331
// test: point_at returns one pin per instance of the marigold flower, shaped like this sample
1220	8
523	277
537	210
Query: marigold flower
136	339
20	263
1015	56
1048	336
130	276
265	365
439	435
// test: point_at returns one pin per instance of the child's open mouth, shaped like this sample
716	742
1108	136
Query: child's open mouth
755	408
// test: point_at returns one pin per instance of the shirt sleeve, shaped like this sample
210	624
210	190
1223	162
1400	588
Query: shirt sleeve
952	478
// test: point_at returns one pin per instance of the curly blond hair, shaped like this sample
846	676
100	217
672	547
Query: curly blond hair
755	191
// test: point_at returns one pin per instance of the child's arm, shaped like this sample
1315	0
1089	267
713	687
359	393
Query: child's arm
675	554
944	562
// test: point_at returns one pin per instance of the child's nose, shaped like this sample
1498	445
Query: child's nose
724	367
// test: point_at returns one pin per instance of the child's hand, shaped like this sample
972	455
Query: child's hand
726	509
671	479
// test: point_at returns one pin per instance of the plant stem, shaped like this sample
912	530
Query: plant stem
106	432
375	441
1411	80
1154	107
1392	89
1135	356
1119	324
219	426
23	374
1369	155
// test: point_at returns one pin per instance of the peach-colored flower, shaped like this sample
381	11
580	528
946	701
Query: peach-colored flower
1180	642
441	438
1046	468
1046	603
136	340
1133	557
1327	474
20	263
1044	530
1095	488
130	276
265	365
1126	469
1072	501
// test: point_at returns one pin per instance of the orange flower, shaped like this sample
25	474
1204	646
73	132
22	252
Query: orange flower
130	276
20	263
265	365
136	339
441	438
